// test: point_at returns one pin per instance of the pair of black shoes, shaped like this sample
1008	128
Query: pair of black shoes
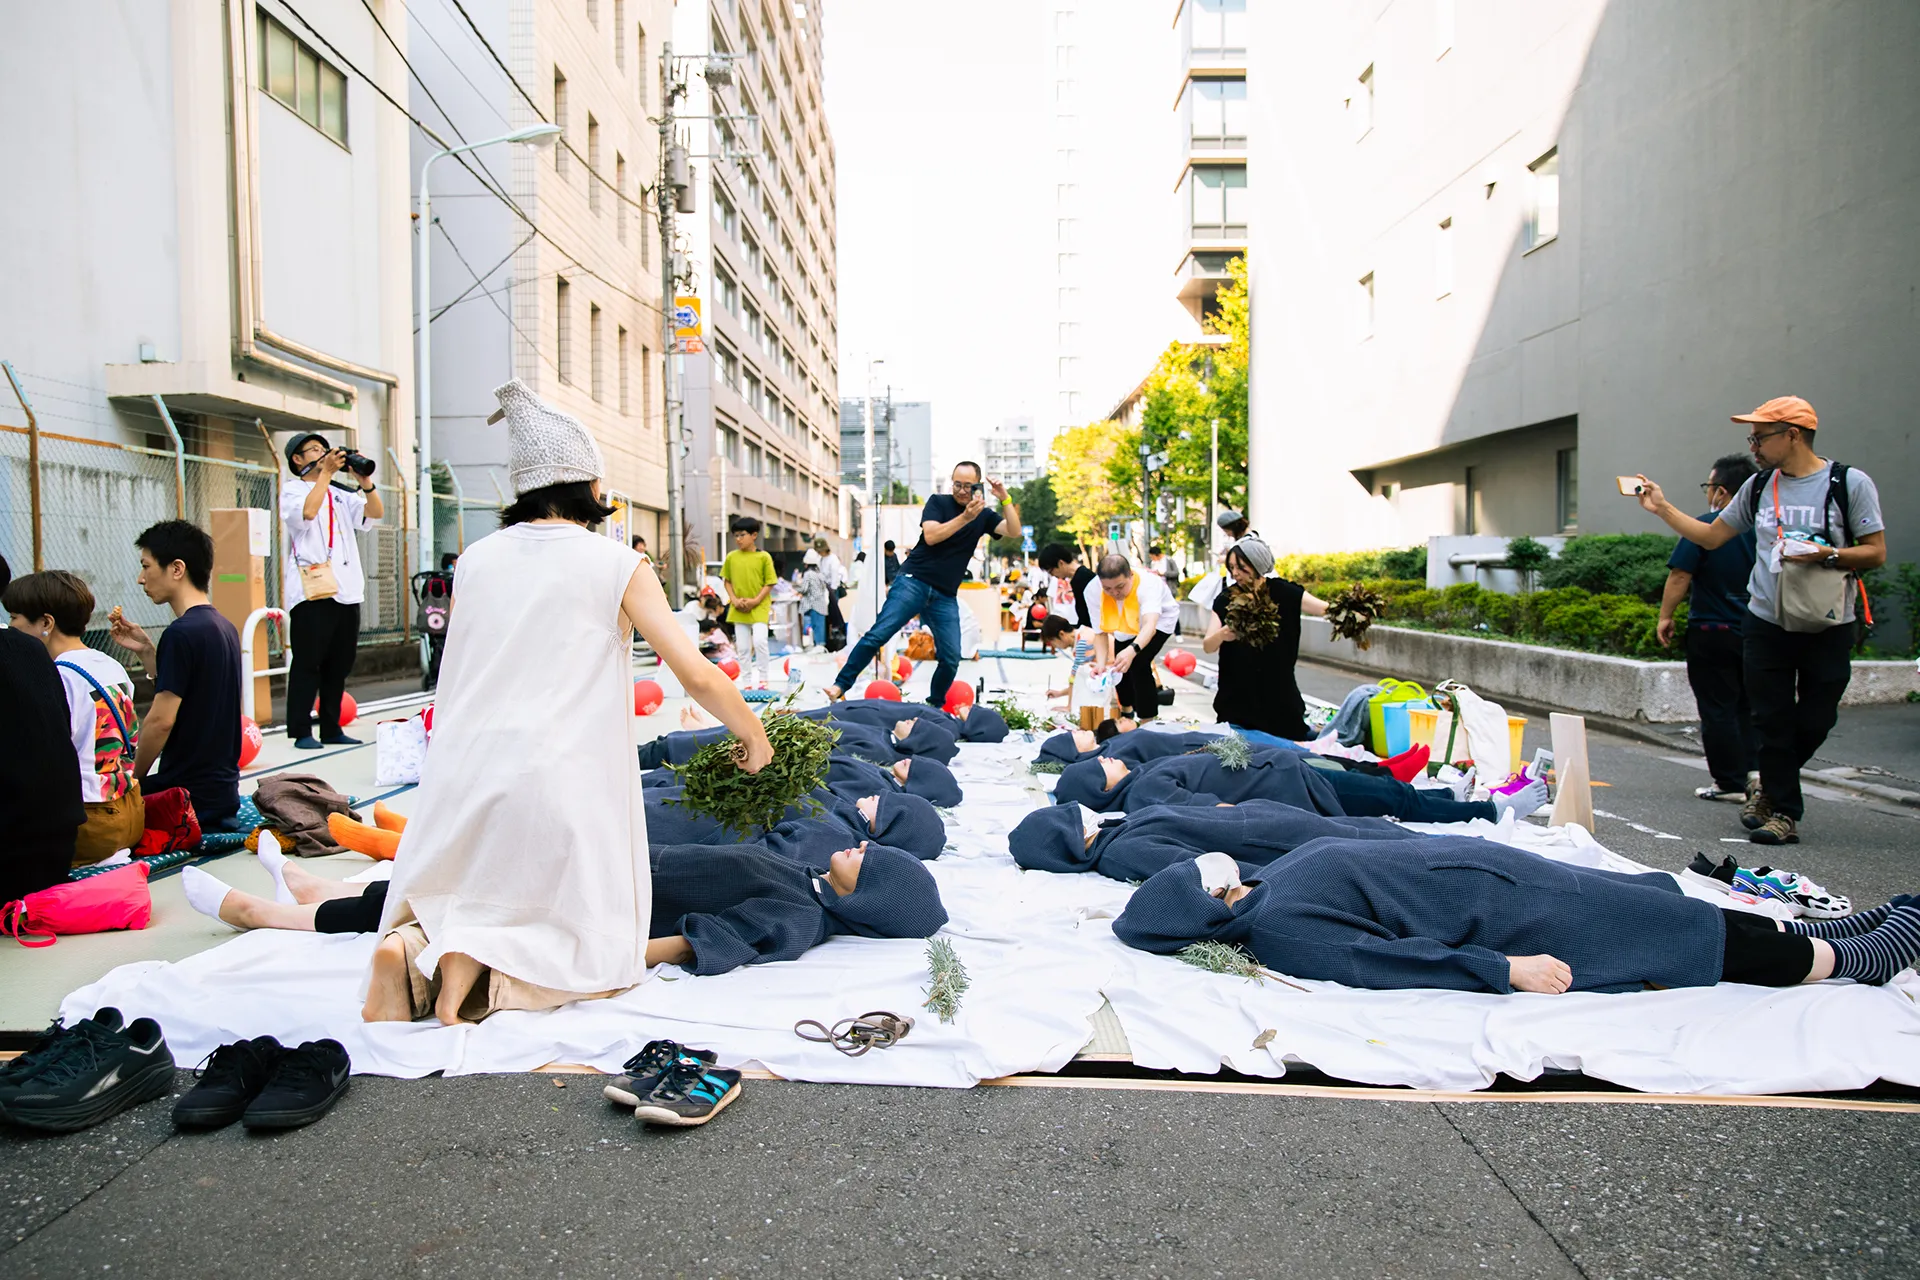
265	1085
74	1077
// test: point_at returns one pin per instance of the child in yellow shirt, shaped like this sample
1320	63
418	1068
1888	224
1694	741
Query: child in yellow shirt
749	575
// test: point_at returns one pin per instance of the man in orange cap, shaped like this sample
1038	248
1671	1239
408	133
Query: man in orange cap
1816	524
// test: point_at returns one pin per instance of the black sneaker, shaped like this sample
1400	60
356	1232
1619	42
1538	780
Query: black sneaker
305	1083
91	1073
232	1078
689	1092
14	1074
643	1070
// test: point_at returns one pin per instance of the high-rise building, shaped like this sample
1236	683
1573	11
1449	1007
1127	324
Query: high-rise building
1212	201
1008	452
1069	390
760	404
544	260
902	445
1474	308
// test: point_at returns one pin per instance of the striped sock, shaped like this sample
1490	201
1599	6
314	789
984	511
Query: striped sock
1849	926
1877	955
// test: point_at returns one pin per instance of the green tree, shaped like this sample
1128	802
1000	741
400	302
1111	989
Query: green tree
1039	508
1086	496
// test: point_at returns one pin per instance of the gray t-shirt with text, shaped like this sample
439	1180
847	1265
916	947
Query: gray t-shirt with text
1800	502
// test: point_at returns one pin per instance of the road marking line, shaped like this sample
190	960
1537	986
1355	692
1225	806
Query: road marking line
1645	831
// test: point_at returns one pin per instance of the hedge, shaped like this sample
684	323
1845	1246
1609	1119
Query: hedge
1560	617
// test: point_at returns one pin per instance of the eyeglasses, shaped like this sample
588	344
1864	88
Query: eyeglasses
1761	439
958	485
1708	487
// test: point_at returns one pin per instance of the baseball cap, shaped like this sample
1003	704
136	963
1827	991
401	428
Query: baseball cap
1790	411
300	441
1228	518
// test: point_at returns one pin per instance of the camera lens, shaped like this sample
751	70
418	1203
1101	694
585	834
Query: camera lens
360	464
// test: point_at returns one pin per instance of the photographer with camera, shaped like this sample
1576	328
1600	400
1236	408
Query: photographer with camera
329	497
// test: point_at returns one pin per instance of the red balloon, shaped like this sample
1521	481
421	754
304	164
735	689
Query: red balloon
250	741
731	667
647	697
902	668
883	689
1038	613
1181	663
349	709
959	694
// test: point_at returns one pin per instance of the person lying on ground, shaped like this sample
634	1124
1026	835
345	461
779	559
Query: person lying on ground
972	723
892	818
1071	837
714	909
1116	738
916	775
1464	914
1273	773
907	735
55	607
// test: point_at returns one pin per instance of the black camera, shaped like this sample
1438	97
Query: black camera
359	463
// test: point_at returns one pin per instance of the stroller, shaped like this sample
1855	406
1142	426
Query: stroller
433	588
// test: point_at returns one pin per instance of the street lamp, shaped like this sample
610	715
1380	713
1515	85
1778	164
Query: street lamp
538	135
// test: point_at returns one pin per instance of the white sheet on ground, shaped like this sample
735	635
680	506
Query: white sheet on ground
1041	954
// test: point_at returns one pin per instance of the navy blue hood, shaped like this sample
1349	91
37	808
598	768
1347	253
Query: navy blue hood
1085	783
929	739
932	782
1051	839
983	724
1172	909
894	897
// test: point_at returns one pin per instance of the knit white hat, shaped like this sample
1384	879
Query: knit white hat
545	446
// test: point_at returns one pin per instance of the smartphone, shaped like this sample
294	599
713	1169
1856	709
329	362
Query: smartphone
1629	485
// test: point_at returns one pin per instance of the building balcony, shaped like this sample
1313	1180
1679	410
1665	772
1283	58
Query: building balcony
1201	274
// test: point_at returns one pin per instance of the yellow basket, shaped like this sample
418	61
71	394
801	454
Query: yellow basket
1420	725
1516	730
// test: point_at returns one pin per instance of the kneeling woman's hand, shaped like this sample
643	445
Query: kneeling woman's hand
1542	974
753	753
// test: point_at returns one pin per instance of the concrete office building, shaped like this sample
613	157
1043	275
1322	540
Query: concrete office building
207	214
1519	249
1211	109
761	411
1008	453
902	445
559	288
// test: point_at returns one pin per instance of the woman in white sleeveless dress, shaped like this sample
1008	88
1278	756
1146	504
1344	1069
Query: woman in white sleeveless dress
523	881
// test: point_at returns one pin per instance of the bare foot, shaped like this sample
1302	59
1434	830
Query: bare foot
389	994
695	718
306	886
458	973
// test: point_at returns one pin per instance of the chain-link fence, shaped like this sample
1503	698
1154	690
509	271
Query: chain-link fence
106	472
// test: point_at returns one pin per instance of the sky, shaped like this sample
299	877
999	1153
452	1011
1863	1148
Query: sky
942	123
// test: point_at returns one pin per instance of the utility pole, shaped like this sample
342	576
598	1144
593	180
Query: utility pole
671	425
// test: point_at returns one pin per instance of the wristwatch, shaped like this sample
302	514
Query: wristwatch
1832	561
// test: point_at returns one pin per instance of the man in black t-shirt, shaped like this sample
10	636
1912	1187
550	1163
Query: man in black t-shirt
1062	563
951	526
193	728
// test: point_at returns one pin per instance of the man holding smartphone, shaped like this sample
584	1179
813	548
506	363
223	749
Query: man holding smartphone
1811	517
322	505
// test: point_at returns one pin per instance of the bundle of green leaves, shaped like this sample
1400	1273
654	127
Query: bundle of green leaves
1018	718
713	784
1353	611
1252	614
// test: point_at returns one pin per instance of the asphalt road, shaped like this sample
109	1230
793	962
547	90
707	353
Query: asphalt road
510	1175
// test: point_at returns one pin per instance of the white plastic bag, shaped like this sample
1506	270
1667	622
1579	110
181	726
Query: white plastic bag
399	751
1488	740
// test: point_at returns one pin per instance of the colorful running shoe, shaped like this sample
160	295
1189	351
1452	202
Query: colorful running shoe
1803	895
643	1070
689	1093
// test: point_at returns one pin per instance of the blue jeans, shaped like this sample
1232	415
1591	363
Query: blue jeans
814	624
939	610
1259	739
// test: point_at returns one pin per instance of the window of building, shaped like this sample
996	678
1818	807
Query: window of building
1543	199
298	78
1066	93
593	13
726	443
729	220
1068	368
640	62
1365	308
620	196
1360	104
1069	299
620	34
595	359
1064	194
593	164
728	365
1566	488
563	330
620	359
560	118
1217	113
754	390
756	460
1065	229
1065	160
1443	258
1069	334
646	383
1217	201
1066	263
1063	59
729	291
1442	27
1219	28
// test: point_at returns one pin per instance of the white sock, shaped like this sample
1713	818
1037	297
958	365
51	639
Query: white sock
276	864
204	892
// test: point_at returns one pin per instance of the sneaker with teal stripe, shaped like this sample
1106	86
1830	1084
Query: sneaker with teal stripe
688	1093
1796	891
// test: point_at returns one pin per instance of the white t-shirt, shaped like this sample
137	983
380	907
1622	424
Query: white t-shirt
304	541
1159	608
80	709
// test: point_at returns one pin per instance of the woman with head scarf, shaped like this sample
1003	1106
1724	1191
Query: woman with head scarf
1071	837
1257	692
1463	914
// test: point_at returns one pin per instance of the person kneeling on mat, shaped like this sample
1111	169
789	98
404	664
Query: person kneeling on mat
1463	914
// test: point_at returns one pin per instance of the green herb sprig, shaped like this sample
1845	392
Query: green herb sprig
950	980
1235	752
1049	765
713	784
1234	962
1353	611
1017	717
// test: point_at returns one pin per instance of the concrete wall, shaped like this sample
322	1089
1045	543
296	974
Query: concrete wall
1737	180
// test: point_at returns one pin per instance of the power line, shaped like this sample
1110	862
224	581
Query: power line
461	159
